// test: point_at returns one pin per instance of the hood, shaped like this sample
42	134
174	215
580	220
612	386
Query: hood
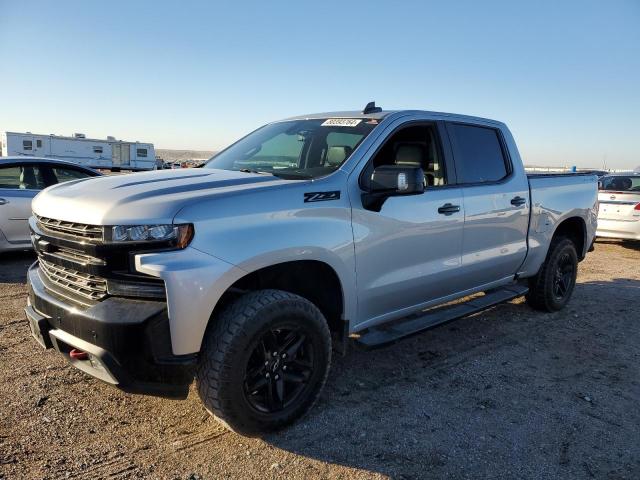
149	197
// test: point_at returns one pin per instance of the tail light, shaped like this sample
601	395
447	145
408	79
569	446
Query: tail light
637	207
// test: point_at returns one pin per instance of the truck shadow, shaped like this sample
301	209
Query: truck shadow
14	266
498	391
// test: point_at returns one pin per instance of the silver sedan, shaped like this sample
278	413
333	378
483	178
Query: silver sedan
21	179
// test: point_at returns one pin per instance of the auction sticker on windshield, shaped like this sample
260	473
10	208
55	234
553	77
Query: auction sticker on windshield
341	122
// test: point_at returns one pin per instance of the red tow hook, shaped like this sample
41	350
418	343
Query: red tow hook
78	354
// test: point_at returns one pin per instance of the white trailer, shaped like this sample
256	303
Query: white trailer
95	153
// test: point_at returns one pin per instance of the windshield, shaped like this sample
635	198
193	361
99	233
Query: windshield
296	149
620	183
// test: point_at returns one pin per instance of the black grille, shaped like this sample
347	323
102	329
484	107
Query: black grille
70	230
88	286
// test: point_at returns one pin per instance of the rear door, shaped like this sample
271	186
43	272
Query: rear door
496	205
18	186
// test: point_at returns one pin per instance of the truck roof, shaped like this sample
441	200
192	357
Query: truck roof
387	113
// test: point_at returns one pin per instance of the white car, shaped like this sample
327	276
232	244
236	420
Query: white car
619	213
21	179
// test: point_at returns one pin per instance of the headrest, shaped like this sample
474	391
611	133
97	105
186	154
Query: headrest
337	154
410	154
621	183
27	179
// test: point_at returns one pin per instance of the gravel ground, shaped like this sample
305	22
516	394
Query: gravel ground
509	393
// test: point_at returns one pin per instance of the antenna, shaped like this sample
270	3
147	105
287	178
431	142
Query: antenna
371	108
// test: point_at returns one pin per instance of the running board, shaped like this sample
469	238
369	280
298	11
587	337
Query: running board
384	334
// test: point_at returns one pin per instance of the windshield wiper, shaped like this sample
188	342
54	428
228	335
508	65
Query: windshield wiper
251	170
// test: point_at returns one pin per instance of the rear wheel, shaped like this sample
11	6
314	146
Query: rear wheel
551	288
264	361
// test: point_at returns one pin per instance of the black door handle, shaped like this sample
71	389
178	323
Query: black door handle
448	209
518	201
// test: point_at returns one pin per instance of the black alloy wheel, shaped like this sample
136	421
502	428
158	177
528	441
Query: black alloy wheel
563	276
278	370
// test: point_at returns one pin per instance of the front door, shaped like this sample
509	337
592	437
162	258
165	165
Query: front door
116	149
409	253
125	154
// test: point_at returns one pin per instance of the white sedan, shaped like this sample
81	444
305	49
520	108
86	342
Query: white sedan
619	213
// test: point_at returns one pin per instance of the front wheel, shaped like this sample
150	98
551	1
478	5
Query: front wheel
551	288
264	361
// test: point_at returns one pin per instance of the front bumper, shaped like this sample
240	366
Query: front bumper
127	341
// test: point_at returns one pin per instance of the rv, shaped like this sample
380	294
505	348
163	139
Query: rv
95	153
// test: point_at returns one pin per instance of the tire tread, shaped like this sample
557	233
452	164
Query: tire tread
219	344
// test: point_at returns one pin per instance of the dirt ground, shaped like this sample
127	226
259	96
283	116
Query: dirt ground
508	393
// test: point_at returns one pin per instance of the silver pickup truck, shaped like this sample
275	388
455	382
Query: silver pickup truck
247	273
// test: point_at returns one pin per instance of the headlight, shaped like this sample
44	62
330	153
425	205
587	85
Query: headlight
178	235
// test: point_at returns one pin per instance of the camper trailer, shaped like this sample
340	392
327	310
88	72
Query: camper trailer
95	153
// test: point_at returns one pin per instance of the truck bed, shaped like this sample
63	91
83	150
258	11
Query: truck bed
554	198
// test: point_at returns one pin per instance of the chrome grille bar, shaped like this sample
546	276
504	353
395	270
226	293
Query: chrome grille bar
80	231
77	257
83	284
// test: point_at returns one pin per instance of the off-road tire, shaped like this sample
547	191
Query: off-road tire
541	294
228	344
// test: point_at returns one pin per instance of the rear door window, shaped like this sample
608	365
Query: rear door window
478	153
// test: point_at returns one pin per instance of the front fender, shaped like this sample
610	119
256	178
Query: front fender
194	283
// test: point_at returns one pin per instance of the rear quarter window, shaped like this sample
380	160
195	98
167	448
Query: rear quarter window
477	153
67	174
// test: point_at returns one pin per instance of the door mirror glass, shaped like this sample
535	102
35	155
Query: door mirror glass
397	180
391	181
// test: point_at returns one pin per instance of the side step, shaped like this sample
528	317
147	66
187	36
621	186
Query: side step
388	333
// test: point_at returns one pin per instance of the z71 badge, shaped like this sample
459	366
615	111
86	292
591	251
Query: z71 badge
321	196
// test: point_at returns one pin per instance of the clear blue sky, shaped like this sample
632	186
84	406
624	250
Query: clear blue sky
565	76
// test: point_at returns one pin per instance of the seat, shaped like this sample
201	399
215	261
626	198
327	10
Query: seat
28	179
337	154
413	154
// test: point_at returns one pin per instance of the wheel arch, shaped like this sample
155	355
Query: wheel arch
315	280
575	229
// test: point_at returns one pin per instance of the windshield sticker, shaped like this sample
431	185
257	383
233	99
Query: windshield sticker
341	122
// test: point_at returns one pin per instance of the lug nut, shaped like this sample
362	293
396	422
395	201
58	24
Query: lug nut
266	363
284	355
274	354
284	367
277	377
268	375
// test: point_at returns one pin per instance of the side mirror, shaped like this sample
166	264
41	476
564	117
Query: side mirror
391	181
